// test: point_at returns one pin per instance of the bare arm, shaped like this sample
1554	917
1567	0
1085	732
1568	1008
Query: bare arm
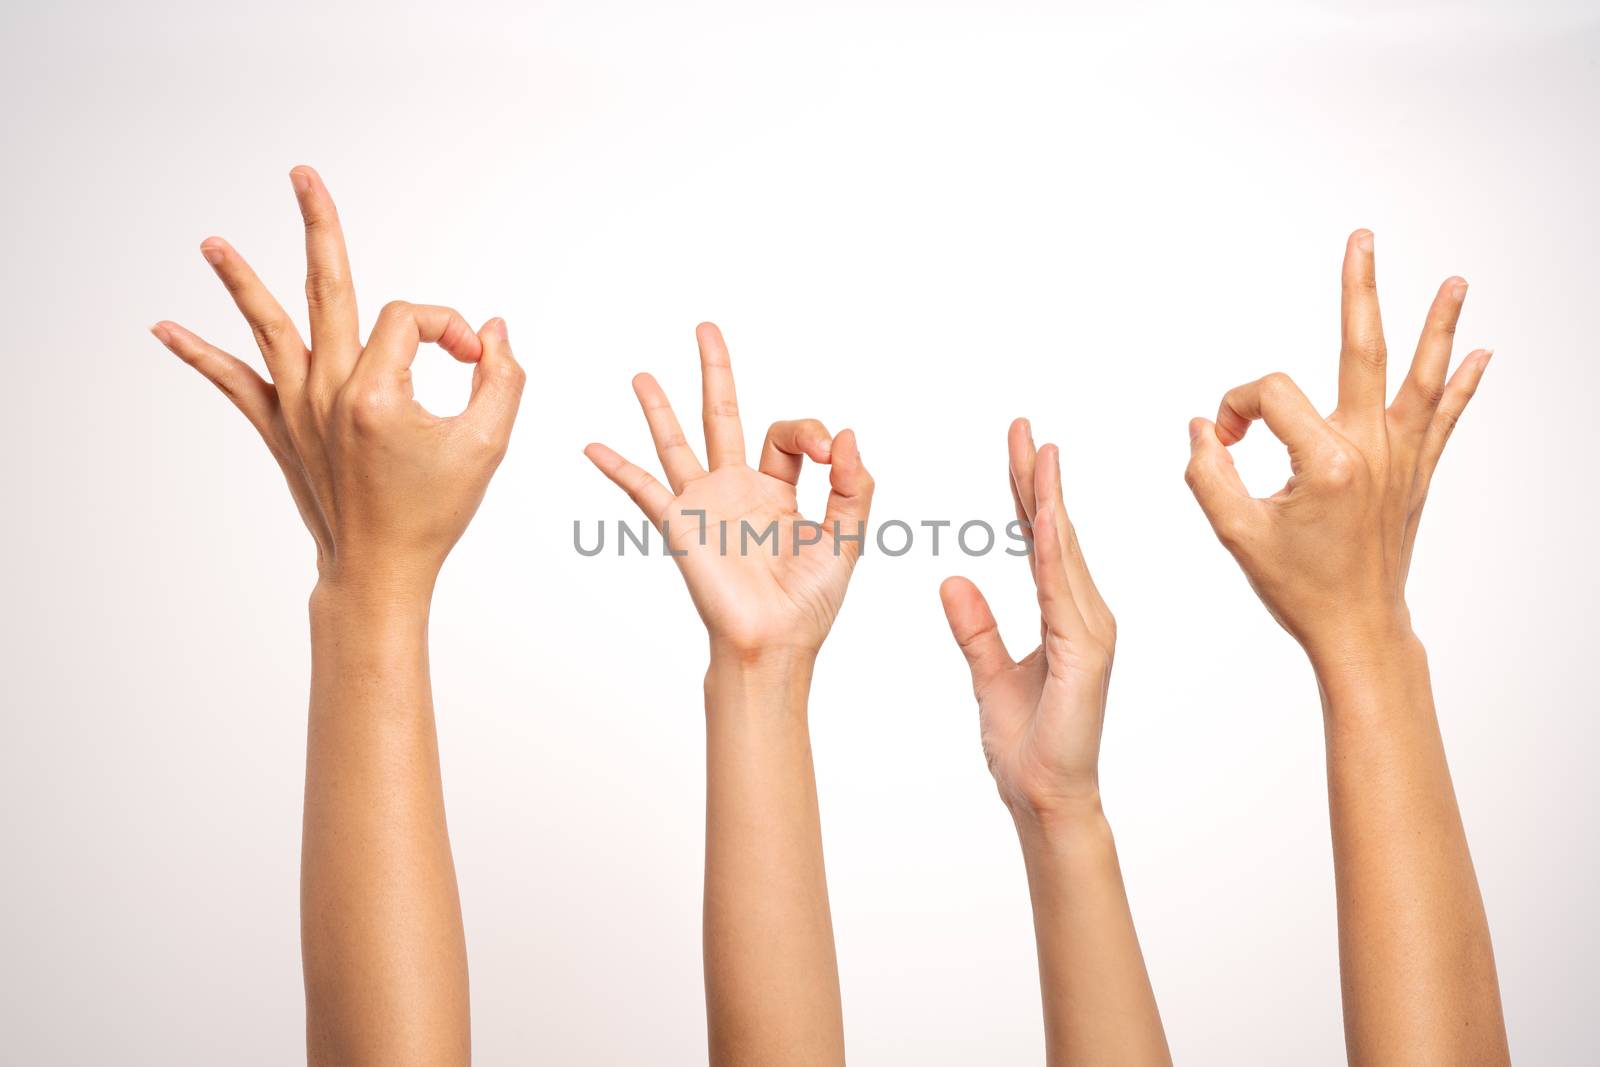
1098	1004
1416	964
385	488
1329	555
1041	722
381	939
772	982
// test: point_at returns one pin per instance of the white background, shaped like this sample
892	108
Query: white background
918	220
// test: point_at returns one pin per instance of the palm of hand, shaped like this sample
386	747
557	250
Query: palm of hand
1040	723
755	580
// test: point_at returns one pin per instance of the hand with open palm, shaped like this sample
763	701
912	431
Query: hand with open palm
1040	720
1041	716
762	576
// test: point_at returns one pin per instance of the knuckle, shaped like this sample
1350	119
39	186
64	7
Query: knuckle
394	308
1231	530
511	372
489	442
1369	349
1339	469
267	332
1429	392
322	284
367	406
1277	386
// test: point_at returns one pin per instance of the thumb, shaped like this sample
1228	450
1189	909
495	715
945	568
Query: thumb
1215	481
973	626
496	386
849	496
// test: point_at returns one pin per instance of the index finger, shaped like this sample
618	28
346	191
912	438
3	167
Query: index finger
330	294
1363	357
274	331
719	406
1277	401
788	442
402	327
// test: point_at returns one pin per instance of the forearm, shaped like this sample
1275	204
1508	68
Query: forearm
1098	1004
772	982
1416	961
382	943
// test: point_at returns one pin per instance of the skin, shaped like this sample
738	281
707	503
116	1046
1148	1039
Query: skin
772	980
1040	719
1329	555
386	489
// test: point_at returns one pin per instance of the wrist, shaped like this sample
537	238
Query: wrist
343	598
1372	657
777	681
353	576
1370	676
1063	835
1061	821
1361	650
780	664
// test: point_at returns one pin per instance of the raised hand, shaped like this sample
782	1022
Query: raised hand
1040	720
1329	553
1040	717
761	575
772	981
385	487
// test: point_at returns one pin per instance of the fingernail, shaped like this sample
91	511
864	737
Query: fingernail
1487	356
1195	426
497	328
826	444
1364	240
1460	290
212	253
301	180
162	333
